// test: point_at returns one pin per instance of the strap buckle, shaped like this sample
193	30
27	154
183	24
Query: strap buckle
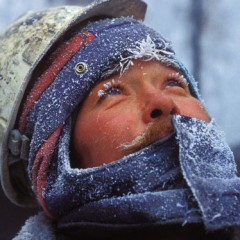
18	145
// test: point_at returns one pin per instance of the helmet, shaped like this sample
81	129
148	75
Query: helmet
22	47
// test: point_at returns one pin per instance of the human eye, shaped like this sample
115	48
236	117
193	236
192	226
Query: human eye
176	80
110	89
113	91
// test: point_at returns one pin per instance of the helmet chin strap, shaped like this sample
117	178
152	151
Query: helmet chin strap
18	145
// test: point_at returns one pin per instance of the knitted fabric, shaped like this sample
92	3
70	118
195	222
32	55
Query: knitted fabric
191	180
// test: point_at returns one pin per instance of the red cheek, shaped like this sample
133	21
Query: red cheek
118	129
194	109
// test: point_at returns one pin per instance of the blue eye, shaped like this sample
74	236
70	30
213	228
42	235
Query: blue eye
172	82
114	91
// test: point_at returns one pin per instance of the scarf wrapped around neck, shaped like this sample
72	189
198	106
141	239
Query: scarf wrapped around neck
188	177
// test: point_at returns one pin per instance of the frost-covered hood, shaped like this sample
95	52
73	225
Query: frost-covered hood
168	182
77	64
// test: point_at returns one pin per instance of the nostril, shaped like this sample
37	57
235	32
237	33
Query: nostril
156	113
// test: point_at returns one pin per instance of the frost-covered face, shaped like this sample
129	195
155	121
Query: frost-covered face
125	113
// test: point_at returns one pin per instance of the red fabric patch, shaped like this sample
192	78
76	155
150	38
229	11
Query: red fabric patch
41	166
58	60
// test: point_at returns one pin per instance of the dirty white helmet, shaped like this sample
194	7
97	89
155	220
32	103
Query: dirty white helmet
22	47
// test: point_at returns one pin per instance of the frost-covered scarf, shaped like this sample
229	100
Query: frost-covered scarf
187	177
156	185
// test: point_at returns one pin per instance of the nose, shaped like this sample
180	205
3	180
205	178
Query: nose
158	105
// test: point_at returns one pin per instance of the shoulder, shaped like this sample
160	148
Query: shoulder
38	227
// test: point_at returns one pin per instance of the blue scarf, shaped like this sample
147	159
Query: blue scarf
188	177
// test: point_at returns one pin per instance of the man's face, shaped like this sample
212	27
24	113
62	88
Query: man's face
125	113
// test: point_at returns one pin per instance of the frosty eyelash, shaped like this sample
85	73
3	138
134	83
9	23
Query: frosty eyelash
179	77
106	86
102	93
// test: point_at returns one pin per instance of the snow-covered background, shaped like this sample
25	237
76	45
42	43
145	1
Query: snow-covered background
206	37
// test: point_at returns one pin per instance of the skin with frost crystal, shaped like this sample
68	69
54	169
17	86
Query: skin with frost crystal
125	113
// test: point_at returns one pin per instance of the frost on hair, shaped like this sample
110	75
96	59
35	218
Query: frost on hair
146	50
